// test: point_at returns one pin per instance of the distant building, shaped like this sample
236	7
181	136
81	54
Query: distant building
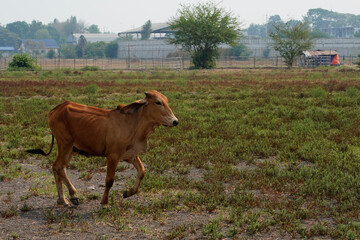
315	58
145	49
7	51
158	31
341	32
91	37
38	46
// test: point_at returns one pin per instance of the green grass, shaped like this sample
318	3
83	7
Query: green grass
307	122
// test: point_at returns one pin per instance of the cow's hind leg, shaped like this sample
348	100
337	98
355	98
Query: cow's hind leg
141	173
61	162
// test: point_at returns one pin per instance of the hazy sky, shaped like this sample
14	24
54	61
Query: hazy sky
118	15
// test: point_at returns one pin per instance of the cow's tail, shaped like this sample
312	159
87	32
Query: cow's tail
40	151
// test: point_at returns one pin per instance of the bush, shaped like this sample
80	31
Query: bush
90	68
51	54
23	61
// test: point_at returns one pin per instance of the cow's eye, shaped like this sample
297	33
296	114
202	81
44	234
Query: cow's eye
158	103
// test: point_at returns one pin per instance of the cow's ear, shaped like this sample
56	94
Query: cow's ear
132	107
148	95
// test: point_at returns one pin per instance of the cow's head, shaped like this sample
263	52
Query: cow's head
157	109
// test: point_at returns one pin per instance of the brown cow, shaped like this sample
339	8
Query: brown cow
119	134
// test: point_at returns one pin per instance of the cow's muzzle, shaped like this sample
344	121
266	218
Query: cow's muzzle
172	122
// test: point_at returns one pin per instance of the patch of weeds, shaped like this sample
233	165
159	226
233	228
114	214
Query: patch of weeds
86	176
349	231
92	196
14	236
352	92
122	167
25	207
49	216
10	212
318	93
212	229
318	230
90	68
5	161
164	203
101	237
183	169
178	232
24	197
91	90
64	218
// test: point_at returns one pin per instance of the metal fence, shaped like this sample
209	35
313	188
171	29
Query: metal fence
163	63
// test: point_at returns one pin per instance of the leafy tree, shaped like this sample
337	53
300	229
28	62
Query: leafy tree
42	34
51	54
273	20
93	29
72	26
68	51
146	30
290	39
240	51
126	38
33	28
257	30
96	49
322	18
8	38
201	28
111	49
23	61
54	34
317	33
21	28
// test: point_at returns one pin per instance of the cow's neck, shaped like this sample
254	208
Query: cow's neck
143	127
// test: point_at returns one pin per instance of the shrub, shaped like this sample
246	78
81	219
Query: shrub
90	68
23	61
51	54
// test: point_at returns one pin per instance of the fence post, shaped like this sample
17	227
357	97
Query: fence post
128	63
74	63
254	60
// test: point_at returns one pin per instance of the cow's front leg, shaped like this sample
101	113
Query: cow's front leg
110	174
141	173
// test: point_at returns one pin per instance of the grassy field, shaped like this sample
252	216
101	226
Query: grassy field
257	154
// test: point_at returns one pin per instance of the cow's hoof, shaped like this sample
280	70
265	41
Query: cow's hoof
74	201
63	203
125	194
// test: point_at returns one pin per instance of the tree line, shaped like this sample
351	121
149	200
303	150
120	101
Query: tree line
317	18
13	33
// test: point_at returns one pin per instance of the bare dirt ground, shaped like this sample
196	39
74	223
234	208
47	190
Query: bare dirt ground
29	213
26	215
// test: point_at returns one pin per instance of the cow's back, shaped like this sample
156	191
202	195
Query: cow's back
80	125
